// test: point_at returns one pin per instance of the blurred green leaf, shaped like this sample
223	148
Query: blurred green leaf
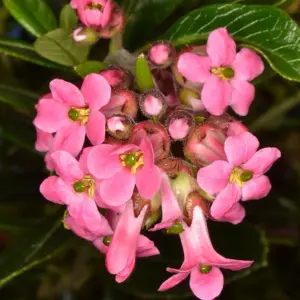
24	51
20	99
266	29
68	18
90	66
34	15
39	244
59	46
143	17
9	224
143	74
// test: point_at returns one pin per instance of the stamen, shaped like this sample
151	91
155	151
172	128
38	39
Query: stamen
134	160
107	240
224	73
87	184
95	6
205	269
240	176
79	114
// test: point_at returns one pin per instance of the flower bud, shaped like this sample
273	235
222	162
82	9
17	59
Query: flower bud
173	166
153	104
191	98
195	199
117	77
119	126
85	35
157	134
161	54
122	101
205	145
180	123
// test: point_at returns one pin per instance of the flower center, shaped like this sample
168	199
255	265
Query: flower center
205	269
79	114
133	160
177	228
240	176
87	184
224	73
94	5
107	240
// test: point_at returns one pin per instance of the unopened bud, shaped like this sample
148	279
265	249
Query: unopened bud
161	54
153	104
85	35
117	77
180	123
195	199
157	134
205	145
119	126
191	98
121	101
173	166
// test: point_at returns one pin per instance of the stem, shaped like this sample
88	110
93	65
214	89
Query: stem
275	112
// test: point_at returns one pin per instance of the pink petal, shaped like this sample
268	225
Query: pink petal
240	148
235	215
96	91
121	149
262	160
207	286
256	188
98	243
95	127
126	272
67	93
49	161
236	128
69	138
221	48
173	281
148	181
50	190
83	159
101	164
145	247
214	177
117	189
48	121
194	67
148	152
90	17
243	94
66	166
107	12
124	241
247	65
215	95
225	200
170	207
44	141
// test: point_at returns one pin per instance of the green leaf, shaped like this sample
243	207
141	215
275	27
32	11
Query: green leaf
24	51
59	46
34	15
90	66
68	18
266	29
143	75
143	17
20	99
36	246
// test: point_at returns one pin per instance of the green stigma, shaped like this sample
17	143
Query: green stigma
107	240
246	176
79	187
73	114
228	73
130	160
205	269
176	228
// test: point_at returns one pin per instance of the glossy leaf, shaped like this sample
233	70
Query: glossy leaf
34	15
59	46
24	51
266	29
68	18
89	66
143	17
36	246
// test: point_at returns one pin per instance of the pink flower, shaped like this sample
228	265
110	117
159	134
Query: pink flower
241	176
43	141
73	113
121	167
93	12
224	73
201	261
75	188
126	243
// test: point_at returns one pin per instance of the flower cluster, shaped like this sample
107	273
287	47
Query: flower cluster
116	152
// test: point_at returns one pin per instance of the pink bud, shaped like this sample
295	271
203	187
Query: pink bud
119	126
152	104
161	54
85	35
117	77
205	145
179	124
173	166
157	134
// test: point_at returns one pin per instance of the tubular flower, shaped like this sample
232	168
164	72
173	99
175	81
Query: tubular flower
240	176
224	73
